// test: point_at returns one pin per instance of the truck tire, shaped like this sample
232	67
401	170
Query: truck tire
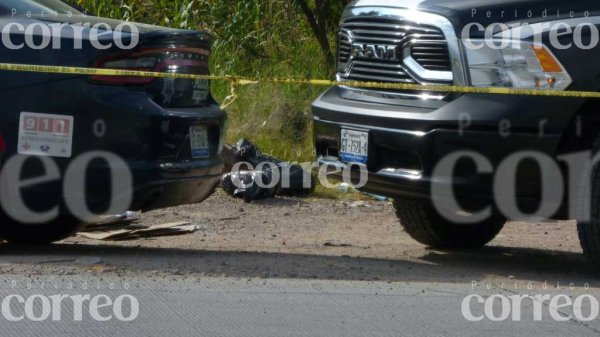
18	233
424	224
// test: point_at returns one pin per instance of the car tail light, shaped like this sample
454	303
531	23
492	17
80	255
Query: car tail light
3	149
2	145
169	92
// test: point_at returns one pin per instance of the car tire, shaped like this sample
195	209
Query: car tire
423	223
589	231
15	232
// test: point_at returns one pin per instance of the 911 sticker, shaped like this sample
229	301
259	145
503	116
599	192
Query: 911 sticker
45	135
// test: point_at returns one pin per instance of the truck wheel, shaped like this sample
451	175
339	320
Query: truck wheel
424	224
39	234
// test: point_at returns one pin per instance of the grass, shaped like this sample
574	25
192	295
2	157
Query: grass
322	192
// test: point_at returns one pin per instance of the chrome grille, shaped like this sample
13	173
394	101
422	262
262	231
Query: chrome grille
432	55
379	71
425	44
344	46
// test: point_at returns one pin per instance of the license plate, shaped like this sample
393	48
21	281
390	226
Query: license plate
354	146
199	142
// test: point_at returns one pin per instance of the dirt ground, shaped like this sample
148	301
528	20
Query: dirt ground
311	239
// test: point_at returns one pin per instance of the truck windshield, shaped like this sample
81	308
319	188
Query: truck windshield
35	7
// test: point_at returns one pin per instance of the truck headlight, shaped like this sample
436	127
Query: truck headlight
516	64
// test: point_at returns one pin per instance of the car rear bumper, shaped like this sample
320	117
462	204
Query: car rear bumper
153	141
167	190
167	174
408	141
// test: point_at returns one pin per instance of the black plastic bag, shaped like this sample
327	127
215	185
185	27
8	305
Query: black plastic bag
275	177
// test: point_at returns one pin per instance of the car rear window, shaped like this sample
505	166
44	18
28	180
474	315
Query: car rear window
34	7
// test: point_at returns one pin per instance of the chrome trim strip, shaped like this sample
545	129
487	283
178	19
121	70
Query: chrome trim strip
423	73
387	172
376	78
367	127
384	3
396	95
400	173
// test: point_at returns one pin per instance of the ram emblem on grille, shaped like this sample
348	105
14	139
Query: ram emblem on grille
379	52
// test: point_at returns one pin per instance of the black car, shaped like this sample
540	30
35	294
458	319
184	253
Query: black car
74	146
404	138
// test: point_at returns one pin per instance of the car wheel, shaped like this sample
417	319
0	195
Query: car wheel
38	234
423	223
589	231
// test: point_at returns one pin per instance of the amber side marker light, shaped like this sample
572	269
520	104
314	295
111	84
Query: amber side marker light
547	61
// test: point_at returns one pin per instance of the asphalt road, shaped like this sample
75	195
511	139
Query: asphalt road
234	307
293	267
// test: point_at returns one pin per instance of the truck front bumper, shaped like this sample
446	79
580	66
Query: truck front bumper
406	142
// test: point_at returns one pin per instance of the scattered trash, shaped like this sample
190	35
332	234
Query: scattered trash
346	188
376	197
127	227
249	190
167	229
114	221
276	177
358	204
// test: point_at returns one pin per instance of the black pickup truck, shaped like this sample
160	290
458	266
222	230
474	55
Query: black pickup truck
460	165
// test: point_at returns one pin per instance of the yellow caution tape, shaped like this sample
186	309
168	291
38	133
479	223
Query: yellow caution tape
240	80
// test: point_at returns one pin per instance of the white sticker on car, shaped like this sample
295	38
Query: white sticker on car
45	135
201	90
199	142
